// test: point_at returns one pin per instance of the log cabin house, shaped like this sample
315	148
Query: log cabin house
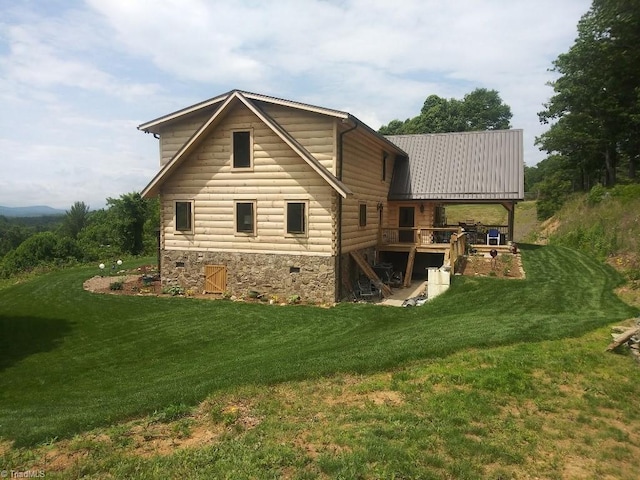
283	198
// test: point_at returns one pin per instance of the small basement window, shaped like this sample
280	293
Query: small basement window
242	150
294	269
184	216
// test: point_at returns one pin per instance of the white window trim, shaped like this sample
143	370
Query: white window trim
175	217
304	234
255	218
250	167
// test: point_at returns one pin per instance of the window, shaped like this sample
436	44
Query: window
242	149
184	216
245	217
296	217
384	166
363	214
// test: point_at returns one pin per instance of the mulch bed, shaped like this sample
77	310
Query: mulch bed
504	266
141	281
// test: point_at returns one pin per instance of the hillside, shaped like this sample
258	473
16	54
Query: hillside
605	224
34	211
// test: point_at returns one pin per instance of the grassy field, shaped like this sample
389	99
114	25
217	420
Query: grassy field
526	221
455	389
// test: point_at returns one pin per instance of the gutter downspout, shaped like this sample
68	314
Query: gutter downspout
339	219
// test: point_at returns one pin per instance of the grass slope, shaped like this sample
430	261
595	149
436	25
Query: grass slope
73	360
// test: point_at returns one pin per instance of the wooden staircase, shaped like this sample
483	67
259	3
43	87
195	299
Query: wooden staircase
369	272
409	271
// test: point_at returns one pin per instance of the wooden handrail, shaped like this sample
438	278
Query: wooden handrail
417	235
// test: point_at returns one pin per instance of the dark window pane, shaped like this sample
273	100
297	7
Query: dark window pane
363	215
241	149
295	218
384	166
244	217
183	216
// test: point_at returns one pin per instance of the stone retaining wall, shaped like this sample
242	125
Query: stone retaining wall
310	277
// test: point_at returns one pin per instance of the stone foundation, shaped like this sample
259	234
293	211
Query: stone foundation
312	278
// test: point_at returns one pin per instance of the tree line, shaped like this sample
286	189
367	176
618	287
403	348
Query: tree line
127	226
593	138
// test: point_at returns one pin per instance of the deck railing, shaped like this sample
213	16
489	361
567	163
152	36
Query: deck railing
458	247
477	233
421	236
417	236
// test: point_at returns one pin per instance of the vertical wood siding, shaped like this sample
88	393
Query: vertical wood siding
278	175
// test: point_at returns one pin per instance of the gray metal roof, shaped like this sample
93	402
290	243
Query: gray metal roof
460	166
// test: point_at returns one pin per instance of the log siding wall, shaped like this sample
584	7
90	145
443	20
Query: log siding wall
174	136
278	175
362	172
422	219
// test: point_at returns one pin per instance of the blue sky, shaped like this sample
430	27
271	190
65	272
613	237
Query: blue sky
78	77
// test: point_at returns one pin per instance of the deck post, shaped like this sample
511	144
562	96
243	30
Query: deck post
512	222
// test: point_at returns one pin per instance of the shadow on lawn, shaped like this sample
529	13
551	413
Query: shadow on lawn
21	337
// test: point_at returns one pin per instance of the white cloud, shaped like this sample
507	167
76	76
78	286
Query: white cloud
75	78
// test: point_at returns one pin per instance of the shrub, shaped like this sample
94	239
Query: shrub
626	192
36	250
293	299
596	194
119	285
173	290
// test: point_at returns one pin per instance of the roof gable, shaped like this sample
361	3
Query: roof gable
154	126
196	139
460	166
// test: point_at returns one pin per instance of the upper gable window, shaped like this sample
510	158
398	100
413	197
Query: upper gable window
242	149
184	217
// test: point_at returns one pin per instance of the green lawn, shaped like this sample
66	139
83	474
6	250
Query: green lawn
72	360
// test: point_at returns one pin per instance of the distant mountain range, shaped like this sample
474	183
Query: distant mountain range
35	211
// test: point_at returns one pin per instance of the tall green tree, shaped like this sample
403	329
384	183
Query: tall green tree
594	114
129	213
480	109
75	219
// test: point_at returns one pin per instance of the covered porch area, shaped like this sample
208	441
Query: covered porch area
421	233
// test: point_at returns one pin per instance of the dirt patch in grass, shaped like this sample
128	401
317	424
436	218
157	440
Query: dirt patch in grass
545	230
144	438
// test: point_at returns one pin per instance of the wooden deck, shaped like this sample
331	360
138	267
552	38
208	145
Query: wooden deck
451	242
406	247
